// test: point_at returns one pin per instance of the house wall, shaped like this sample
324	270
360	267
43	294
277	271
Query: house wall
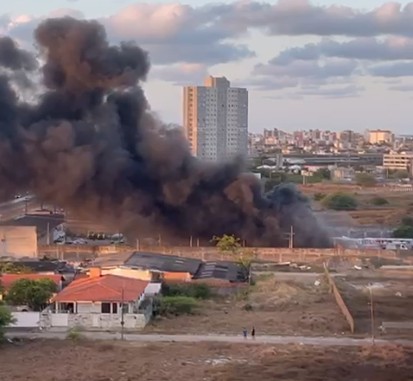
25	319
89	307
88	316
153	289
129	273
94	321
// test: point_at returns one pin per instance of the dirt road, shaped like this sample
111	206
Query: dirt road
143	338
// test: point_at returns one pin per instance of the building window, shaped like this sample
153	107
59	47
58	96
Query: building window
114	308
105	308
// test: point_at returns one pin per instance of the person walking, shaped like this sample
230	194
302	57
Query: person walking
253	332
245	333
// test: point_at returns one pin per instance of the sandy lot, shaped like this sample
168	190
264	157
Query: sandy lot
286	308
392	300
121	361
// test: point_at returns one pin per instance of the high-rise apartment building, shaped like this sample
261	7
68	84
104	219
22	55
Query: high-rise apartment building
380	136
216	119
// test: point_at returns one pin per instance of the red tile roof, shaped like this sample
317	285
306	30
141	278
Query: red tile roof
106	288
7	280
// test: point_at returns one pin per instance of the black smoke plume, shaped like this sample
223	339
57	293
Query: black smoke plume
89	143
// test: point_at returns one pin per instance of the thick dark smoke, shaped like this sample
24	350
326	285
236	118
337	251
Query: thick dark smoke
90	144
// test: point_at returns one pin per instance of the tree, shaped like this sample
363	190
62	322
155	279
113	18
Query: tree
340	201
6	319
407	221
323	173
365	180
227	243
33	293
398	174
230	244
403	231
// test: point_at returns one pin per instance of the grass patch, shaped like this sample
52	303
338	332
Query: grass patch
175	305
190	290
379	201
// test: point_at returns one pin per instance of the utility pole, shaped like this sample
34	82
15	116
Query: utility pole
122	322
48	234
137	244
371	313
190	241
291	240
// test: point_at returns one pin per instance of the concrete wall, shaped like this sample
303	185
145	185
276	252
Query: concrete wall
129	273
93	320
18	241
339	300
26	319
212	254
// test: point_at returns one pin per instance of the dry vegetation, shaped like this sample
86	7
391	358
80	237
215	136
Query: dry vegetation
400	204
122	361
392	301
271	306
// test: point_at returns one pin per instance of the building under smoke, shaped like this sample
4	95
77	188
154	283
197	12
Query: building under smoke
91	145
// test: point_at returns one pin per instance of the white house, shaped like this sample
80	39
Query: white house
100	302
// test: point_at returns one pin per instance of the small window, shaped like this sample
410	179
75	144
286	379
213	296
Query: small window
105	308
125	308
114	308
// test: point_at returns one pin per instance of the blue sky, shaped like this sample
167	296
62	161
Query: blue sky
307	64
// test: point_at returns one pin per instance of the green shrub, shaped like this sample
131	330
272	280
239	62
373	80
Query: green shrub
6	318
176	305
74	335
192	290
403	231
340	201
319	196
407	221
379	201
365	180
248	307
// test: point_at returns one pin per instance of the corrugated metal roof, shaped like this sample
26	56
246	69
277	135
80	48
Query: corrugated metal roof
162	262
229	271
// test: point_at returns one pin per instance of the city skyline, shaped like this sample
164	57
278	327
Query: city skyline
325	65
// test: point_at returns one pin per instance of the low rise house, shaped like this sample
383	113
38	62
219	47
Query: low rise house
156	267
101	302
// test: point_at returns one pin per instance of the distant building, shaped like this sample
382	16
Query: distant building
18	241
398	161
216	119
347	137
343	174
380	137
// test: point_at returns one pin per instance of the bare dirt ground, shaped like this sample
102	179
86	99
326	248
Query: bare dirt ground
392	301
124	361
273	307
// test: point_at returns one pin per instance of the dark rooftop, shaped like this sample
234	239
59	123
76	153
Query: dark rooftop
44	266
162	262
229	271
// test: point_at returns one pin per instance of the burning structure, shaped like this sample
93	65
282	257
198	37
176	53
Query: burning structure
90	143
